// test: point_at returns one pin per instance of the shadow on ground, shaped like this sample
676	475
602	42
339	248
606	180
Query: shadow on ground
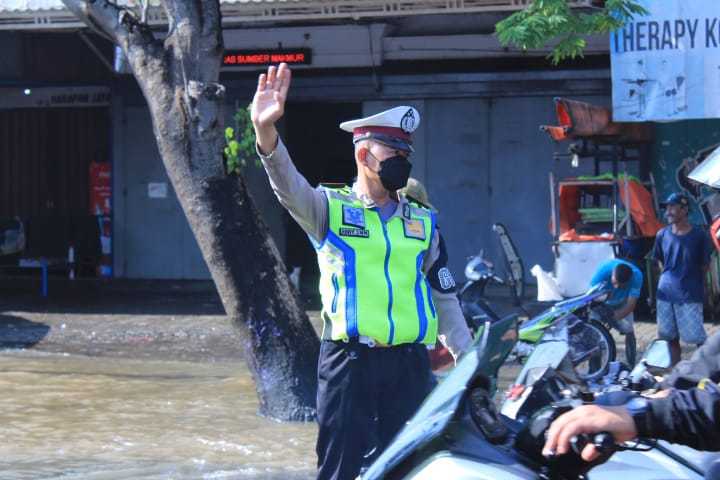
17	332
117	296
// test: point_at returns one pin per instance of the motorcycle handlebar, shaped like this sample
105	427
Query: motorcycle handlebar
571	465
604	443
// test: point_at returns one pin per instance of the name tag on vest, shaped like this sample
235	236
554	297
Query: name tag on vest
414	229
354	232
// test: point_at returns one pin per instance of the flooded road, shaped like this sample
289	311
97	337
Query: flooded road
153	389
98	418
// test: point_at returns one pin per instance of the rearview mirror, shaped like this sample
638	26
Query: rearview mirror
658	355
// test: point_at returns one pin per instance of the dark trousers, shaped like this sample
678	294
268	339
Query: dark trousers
365	395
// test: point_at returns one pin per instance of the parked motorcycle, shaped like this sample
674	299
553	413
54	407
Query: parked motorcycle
457	432
592	347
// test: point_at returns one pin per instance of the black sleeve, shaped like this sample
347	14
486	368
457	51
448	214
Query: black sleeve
439	274
689	417
705	363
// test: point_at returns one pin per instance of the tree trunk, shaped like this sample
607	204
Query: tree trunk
178	77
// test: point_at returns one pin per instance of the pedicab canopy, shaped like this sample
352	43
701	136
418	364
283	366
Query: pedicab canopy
588	209
581	120
581	223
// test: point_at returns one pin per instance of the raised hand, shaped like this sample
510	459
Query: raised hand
269	101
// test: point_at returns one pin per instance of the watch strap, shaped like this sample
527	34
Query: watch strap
639	409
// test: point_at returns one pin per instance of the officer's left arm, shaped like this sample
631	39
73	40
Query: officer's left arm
453	331
704	363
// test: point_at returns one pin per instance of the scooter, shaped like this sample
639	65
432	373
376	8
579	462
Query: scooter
457	433
592	347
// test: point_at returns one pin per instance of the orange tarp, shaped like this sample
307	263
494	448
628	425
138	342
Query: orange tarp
585	120
568	205
642	208
572	236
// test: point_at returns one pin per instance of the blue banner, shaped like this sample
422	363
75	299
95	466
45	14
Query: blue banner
666	65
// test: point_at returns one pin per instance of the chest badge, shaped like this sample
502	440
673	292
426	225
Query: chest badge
414	229
353	216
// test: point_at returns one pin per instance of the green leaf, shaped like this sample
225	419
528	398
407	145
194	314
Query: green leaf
240	142
545	21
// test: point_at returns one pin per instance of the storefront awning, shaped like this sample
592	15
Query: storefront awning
52	14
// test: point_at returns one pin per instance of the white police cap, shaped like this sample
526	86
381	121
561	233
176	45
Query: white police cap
392	127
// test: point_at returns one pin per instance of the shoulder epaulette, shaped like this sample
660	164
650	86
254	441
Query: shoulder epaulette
335	186
417	202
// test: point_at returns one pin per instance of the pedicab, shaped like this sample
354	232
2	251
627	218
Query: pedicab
590	222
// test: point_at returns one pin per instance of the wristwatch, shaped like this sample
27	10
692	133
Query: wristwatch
270	155
267	157
639	410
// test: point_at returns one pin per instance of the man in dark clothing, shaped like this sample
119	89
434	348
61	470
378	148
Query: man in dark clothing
683	251
704	363
689	417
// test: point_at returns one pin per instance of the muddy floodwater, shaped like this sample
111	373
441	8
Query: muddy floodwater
97	418
140	381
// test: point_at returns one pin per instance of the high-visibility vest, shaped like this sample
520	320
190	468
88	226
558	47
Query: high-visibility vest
371	278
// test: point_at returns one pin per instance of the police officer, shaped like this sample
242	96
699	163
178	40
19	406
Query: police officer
386	291
690	417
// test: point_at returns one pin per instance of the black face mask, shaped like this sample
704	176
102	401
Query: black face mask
394	172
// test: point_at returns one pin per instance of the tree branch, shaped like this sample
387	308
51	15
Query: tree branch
211	39
195	36
119	24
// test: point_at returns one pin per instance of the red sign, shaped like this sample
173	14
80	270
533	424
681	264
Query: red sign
100	188
245	58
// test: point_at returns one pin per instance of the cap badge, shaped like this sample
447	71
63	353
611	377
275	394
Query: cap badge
407	122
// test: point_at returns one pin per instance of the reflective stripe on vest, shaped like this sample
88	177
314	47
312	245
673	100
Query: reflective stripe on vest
371	279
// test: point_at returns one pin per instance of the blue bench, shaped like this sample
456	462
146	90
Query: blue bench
44	264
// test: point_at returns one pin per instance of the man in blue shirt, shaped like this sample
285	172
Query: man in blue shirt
683	251
624	281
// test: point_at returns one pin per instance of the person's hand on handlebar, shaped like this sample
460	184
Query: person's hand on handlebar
588	419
